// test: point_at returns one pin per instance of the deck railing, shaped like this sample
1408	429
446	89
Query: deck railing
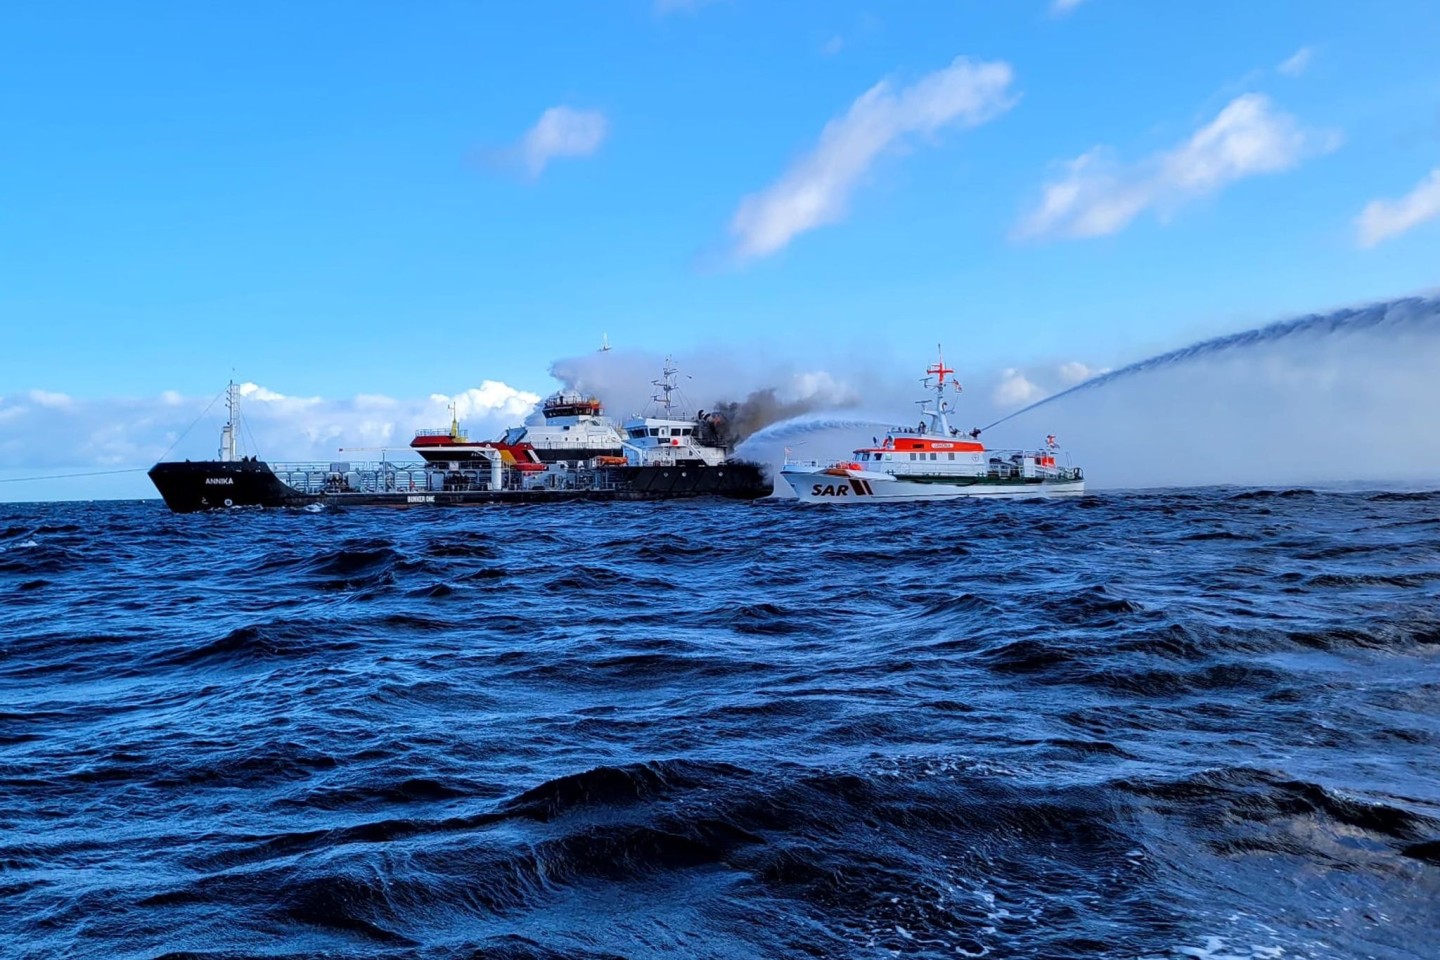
386	477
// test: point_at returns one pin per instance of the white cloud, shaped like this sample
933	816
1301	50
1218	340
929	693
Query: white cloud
1295	64
1015	390
1075	372
491	399
562	132
1058	8
253	391
1098	196
56	401
1016	387
833	46
820	387
816	189
1383	219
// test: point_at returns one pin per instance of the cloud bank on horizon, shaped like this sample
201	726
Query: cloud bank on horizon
126	432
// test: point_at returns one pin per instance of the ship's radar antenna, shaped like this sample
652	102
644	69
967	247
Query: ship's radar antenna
666	386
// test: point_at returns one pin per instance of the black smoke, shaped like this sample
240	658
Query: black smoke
729	422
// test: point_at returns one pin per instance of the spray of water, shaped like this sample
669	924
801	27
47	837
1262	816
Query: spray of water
1345	396
1411	314
779	432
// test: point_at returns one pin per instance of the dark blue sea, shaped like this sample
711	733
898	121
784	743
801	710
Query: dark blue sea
1190	724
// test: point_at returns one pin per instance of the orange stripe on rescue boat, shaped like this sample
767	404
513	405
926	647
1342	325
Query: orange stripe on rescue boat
912	444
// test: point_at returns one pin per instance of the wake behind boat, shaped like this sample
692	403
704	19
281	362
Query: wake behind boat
934	461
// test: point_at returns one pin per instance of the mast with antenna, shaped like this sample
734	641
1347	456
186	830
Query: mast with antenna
666	385
227	432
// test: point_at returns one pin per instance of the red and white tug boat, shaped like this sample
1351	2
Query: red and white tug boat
934	461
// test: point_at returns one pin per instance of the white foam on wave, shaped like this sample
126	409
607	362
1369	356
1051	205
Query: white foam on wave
1218	948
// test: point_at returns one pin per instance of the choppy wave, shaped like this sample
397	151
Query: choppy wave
1189	724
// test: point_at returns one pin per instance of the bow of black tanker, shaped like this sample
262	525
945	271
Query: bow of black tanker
190	486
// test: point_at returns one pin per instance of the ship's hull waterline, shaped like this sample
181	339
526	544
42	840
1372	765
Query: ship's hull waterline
870	487
196	486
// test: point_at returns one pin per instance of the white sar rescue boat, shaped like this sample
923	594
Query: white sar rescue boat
934	461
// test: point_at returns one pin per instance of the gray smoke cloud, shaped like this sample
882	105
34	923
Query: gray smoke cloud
768	391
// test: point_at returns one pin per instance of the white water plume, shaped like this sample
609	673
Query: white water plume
1397	316
796	426
1345	396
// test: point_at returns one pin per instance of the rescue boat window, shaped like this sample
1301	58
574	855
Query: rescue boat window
912	456
952	456
932	456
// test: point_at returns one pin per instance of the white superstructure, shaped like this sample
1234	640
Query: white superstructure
575	428
934	461
668	437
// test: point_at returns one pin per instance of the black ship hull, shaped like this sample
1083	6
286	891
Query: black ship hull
739	479
190	486
194	486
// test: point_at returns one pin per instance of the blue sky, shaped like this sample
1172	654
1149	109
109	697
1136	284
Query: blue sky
333	199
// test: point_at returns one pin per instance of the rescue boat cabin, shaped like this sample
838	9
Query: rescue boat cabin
935	448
